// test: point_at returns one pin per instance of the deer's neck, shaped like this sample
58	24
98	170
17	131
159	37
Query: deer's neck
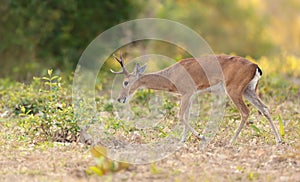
155	82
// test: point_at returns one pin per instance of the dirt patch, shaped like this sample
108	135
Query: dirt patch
19	162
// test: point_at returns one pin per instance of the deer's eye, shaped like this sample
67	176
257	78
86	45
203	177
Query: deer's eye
125	83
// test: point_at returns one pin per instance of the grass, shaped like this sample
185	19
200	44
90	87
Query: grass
39	136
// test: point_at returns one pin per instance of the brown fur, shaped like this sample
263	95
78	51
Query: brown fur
190	75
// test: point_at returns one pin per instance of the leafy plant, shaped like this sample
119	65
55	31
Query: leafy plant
44	110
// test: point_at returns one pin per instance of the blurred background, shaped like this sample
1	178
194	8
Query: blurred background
37	35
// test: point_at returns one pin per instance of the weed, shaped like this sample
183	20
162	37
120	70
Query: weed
253	176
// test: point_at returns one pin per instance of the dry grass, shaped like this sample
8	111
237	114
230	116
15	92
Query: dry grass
217	162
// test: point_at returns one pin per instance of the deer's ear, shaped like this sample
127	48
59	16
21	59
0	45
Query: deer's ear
142	69
139	69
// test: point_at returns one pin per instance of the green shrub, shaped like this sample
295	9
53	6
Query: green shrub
43	109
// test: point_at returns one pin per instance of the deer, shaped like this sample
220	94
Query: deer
188	76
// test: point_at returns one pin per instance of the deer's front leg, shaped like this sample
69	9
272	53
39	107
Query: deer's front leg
184	117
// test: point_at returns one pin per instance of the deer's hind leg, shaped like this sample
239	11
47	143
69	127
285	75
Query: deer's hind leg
237	99
251	95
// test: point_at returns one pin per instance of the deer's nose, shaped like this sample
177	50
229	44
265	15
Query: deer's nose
121	100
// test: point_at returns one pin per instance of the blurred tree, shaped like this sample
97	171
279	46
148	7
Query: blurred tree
284	23
53	33
225	24
38	34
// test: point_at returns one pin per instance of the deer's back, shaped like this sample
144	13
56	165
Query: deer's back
232	70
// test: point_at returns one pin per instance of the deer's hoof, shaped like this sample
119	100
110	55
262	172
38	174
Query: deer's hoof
201	137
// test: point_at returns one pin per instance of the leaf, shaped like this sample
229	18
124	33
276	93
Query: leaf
255	129
36	78
162	133
23	109
96	170
54	77
281	126
29	111
46	78
50	72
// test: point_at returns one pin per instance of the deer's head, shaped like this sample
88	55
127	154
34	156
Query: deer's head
128	86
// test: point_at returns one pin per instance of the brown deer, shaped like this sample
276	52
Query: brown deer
239	79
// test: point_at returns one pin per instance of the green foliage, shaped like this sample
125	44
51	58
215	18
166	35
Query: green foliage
143	95
112	125
36	34
140	102
170	106
40	34
43	109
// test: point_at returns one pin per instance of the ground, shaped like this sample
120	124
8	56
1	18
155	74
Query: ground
248	160
254	157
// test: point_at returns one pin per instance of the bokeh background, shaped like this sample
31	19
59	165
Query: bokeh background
39	35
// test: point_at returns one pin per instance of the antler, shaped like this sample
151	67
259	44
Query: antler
121	61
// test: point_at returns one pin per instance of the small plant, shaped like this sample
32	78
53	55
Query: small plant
253	176
103	164
53	82
169	106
